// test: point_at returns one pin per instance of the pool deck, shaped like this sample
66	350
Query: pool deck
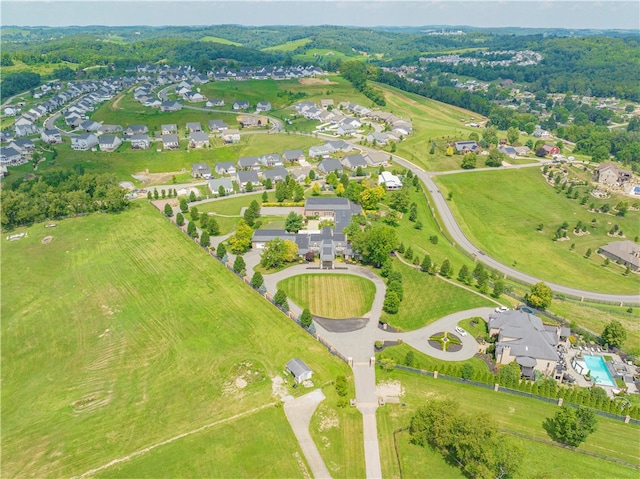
581	381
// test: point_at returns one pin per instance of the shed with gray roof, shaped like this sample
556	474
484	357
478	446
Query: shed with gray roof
301	372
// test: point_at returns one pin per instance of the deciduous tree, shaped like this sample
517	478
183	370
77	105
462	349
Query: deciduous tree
571	426
614	334
540	296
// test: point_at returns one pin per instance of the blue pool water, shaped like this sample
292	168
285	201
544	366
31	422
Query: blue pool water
599	372
636	190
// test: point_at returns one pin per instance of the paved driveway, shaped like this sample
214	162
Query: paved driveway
299	412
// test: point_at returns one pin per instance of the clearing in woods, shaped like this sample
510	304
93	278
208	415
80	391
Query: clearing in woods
335	296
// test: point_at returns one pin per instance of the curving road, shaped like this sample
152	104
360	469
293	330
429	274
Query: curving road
452	226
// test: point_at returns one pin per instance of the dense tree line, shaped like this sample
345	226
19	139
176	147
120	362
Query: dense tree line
59	194
18	82
357	73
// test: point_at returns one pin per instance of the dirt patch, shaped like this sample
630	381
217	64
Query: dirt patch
328	419
116	104
127	185
316	81
154	178
47	239
387	389
279	388
241	383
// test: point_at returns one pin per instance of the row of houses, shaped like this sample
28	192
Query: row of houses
265	73
346	125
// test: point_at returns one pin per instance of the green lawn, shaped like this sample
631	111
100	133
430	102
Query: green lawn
501	210
520	414
213	452
422	361
427	298
331	295
119	334
337	432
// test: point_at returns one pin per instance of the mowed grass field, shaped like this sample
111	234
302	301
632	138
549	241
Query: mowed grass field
119	334
431	120
336	296
427	298
514	413
501	210
289	46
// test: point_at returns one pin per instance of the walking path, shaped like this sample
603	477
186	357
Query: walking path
299	412
91	472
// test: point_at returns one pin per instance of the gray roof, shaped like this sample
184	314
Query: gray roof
194	125
170	138
328	165
140	128
625	250
248	176
224	166
525	334
9	151
140	137
198	136
353	161
248	161
217	124
201	168
462	145
338	145
107	139
268	235
278	173
292	154
51	132
226	183
298	367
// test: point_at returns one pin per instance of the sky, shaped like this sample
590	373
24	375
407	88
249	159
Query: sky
603	14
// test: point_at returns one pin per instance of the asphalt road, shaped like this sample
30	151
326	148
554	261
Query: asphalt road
451	225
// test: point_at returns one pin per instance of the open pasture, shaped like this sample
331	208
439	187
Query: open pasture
120	333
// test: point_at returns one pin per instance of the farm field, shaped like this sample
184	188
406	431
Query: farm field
514	413
501	210
133	344
289	46
334	296
223	41
427	298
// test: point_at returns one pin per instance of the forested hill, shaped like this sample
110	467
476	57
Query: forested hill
595	65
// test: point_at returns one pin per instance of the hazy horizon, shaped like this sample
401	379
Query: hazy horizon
572	15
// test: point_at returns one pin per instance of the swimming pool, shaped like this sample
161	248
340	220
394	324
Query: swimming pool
599	372
636	190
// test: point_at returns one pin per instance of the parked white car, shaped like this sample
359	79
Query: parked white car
461	331
501	309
